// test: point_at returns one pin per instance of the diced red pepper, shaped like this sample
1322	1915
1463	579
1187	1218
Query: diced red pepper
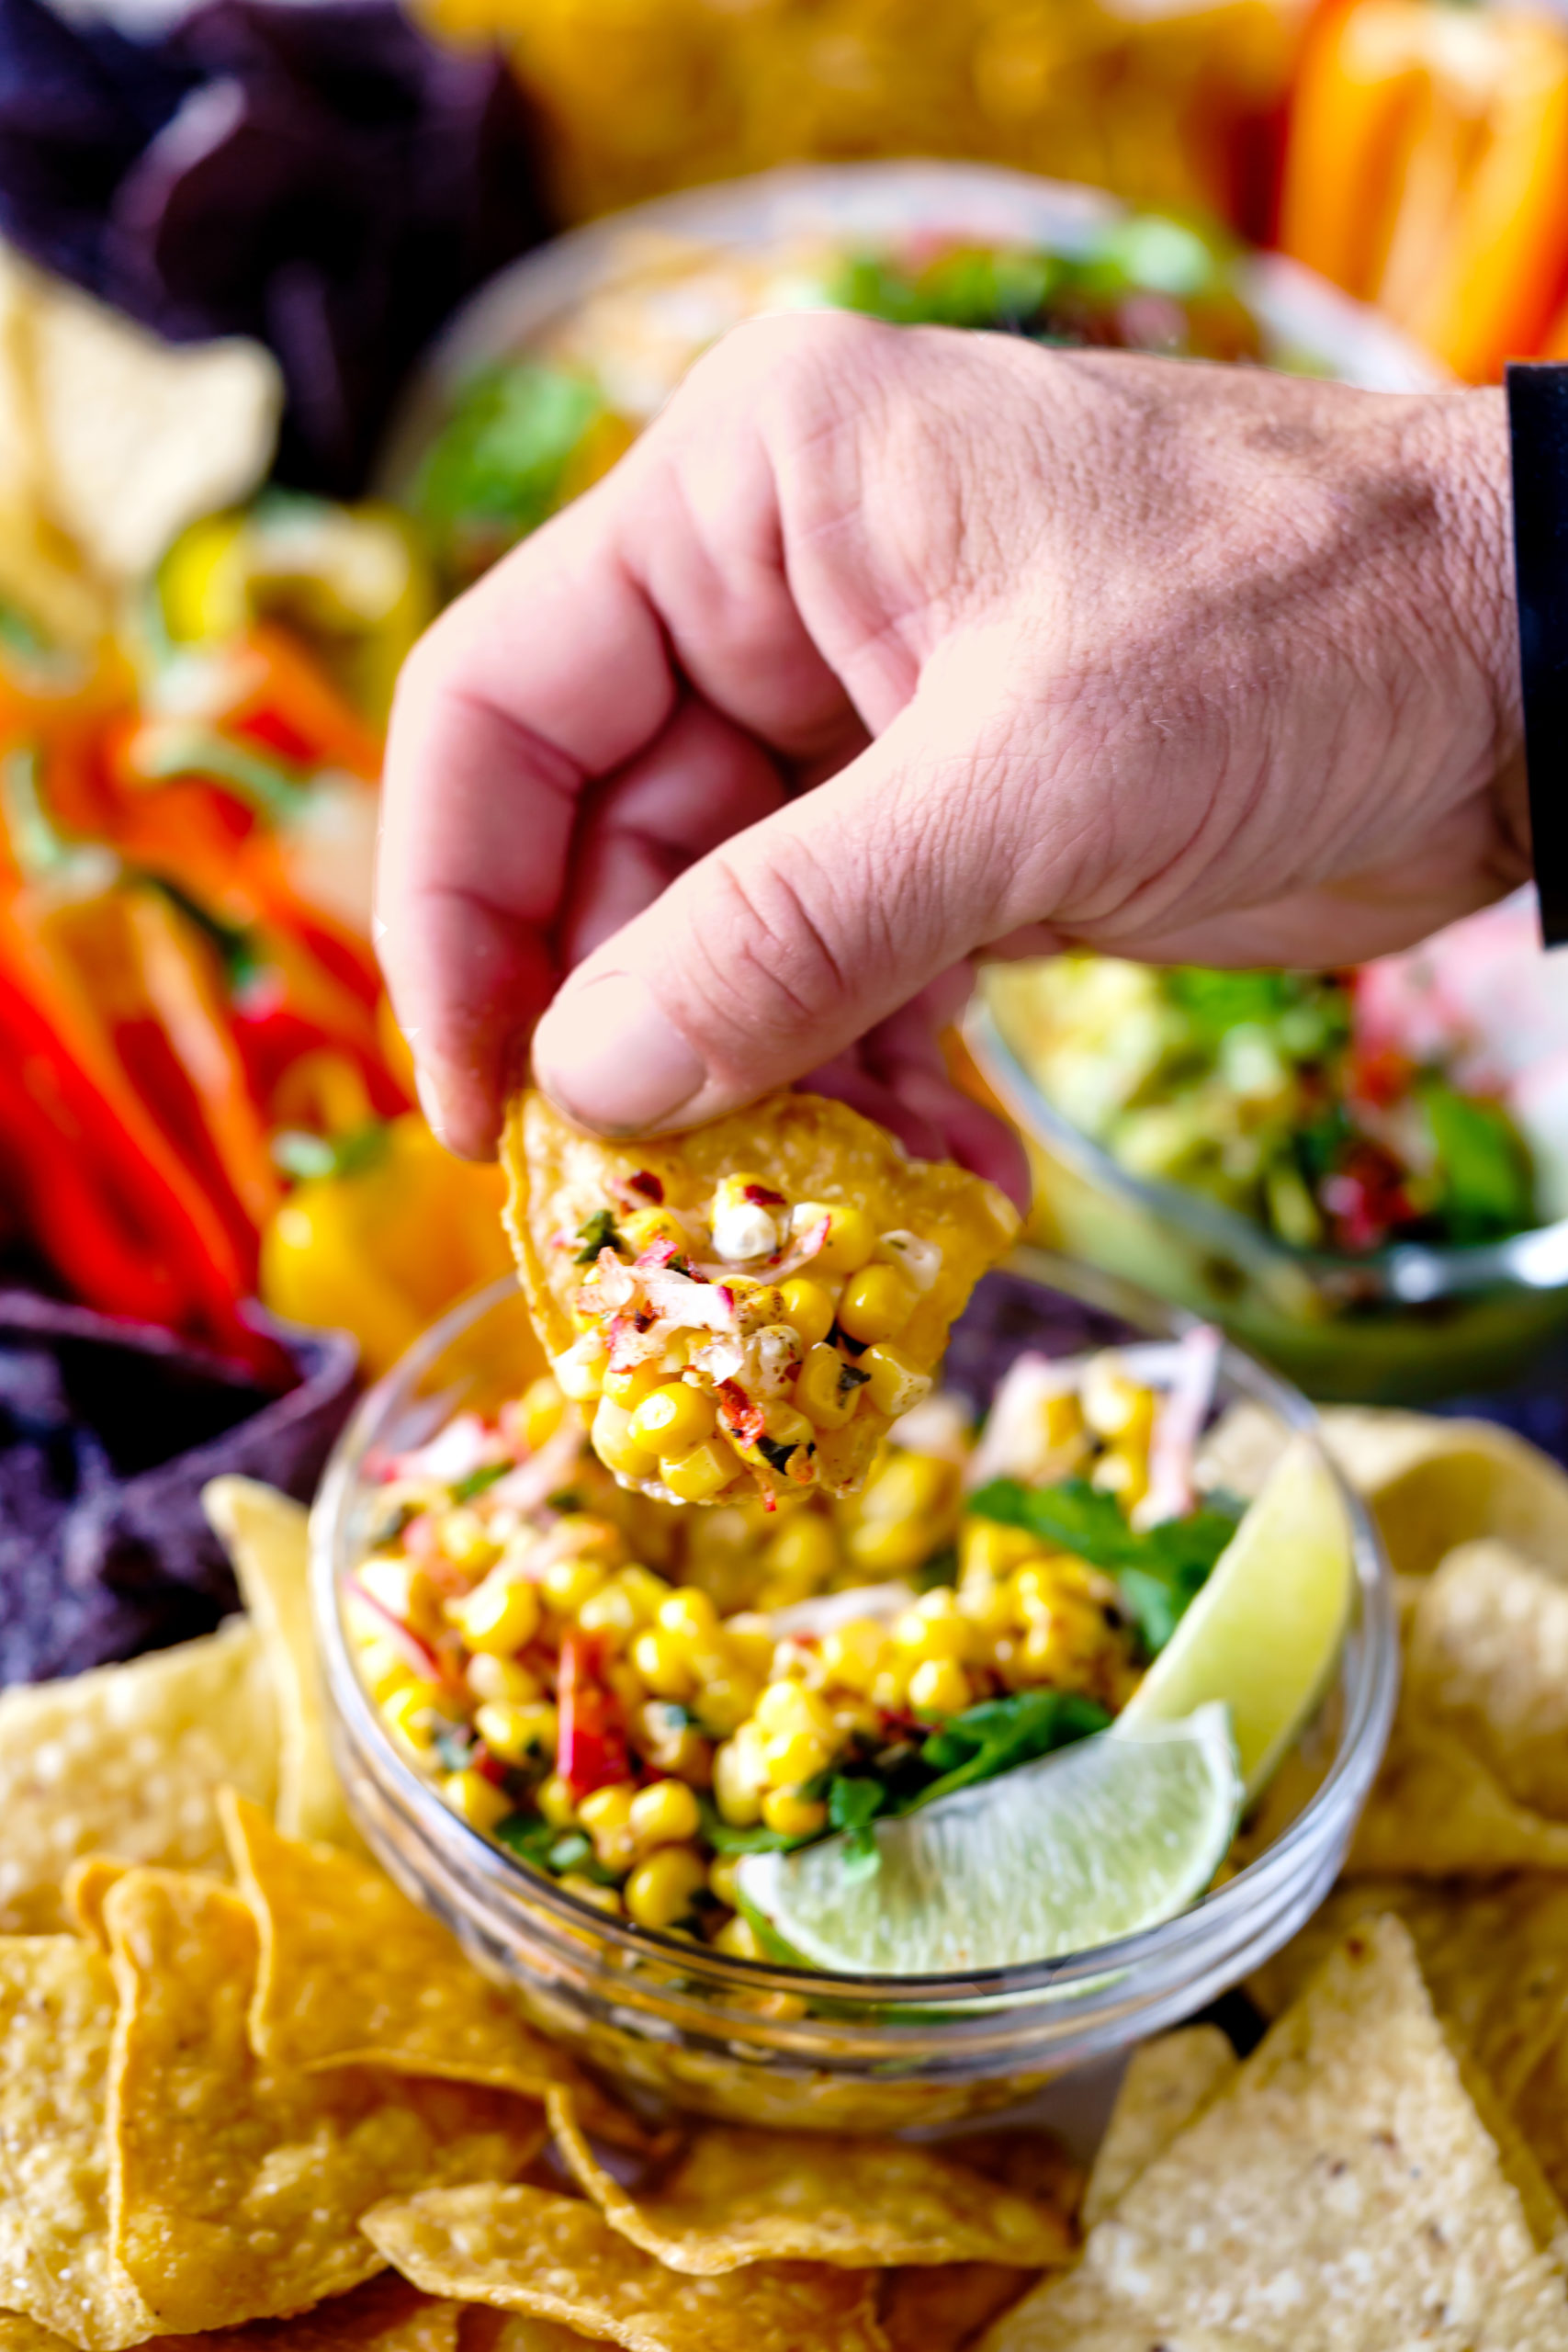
591	1747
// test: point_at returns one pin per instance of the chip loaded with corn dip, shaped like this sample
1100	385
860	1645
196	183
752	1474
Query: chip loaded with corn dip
746	1308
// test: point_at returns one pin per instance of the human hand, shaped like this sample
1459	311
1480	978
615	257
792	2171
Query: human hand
884	649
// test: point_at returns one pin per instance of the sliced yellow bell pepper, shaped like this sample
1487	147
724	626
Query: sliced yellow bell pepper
390	1232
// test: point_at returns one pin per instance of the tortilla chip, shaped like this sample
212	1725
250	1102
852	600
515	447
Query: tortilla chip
57	2014
127	1760
735	2196
1025	2158
237	2185
18	2333
941	2311
1430	1483
488	2331
266	1536
1341	2195
88	1883
1495	1958
1167	2083
140	436
352	1972
384	2315
1436	1811
809	1149
1488	1659
558	2259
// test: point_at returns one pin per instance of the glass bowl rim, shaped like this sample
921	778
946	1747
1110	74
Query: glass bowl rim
1215	1918
1406	1274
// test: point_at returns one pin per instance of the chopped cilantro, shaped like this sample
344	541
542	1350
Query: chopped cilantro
597	1232
463	1490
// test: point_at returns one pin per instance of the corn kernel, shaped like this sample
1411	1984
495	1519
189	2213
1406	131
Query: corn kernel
555	1800
852	1652
890	1686
1061	1422
689	1612
501	1616
875	1302
468	1541
705	1472
809	1308
788	1707
659	1891
751	1642
580	1369
724	1879
804	1551
502	1678
909	1486
989	1548
939	1686
414	1712
661	1660
674	1418
609	1611
852	1237
606	1815
567	1583
1124	1472
476	1800
935	1627
644	1589
1113	1405
987	1603
539	1412
615	1446
404	1591
822	1392
588	1890
1037	1587
895	1385
665	1814
645	1226
724	1701
792	1756
738	1939
890	1546
671	1742
740	1776
517	1733
792	1814
383	1669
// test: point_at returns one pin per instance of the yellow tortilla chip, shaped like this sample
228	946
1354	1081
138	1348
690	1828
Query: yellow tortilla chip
793	1152
88	1883
941	2310
57	2014
734	2198
558	2259
1341	2195
1495	1958
1436	1811
20	2333
127	1760
352	1972
237	2186
266	1536
1488	1660
1167	2083
384	2315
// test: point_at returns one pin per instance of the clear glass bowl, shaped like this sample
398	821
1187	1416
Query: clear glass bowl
767	2044
1402	1326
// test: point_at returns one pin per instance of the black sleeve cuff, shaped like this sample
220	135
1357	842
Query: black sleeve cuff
1537	432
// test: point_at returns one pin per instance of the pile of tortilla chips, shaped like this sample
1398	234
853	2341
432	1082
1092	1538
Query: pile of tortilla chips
244	2084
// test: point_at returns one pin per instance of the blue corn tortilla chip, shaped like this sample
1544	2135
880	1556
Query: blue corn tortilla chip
108	1431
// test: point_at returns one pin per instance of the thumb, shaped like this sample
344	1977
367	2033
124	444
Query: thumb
780	948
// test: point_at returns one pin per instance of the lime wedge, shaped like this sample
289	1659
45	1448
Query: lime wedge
1095	1842
1266	1629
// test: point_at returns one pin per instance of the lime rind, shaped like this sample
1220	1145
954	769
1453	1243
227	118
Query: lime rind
1096	1842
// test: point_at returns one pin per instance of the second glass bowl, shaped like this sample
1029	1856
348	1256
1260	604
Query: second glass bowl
787	2047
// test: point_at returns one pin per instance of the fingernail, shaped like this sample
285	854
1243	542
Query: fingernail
607	1055
430	1102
